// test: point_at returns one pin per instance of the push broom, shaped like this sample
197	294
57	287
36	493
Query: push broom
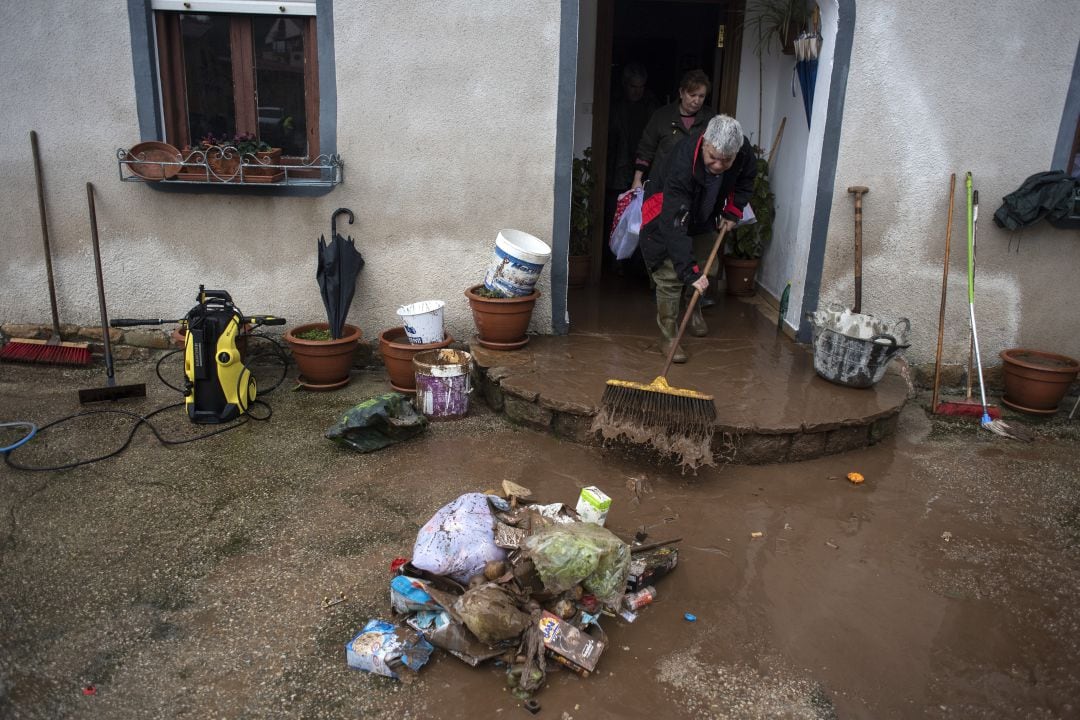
999	427
52	351
956	408
674	421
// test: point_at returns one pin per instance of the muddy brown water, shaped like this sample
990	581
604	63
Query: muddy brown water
186	582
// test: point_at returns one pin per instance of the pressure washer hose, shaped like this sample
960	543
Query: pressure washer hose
31	433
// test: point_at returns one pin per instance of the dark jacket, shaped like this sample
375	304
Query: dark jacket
673	205
664	131
625	127
1043	195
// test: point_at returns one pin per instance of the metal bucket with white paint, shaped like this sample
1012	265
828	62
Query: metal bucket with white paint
442	383
854	349
516	265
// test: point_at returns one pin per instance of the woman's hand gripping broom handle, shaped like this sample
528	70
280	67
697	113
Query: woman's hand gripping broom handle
694	299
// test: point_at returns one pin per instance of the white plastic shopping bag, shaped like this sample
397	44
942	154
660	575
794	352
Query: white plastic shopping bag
627	225
748	217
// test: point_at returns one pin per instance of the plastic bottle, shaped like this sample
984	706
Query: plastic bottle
640	599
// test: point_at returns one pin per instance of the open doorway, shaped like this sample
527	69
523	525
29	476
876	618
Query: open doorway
665	38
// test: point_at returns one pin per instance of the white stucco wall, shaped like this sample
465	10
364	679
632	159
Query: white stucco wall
446	123
982	88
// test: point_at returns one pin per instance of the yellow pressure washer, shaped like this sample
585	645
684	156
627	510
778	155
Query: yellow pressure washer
218	387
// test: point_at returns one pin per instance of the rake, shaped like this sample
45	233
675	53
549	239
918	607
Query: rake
674	421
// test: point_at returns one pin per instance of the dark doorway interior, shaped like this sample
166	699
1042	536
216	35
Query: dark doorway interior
668	38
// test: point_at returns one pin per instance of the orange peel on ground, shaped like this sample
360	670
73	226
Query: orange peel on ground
855	478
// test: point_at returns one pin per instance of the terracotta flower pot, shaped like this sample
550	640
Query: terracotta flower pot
397	355
324	364
501	322
578	273
1036	381
740	275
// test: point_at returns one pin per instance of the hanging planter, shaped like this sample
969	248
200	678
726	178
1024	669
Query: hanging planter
1035	381
501	323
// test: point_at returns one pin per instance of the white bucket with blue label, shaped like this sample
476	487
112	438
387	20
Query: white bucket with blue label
518	261
423	321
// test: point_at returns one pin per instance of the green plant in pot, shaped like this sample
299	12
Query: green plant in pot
324	351
581	225
776	21
745	245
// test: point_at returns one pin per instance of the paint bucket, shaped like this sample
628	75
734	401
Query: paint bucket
423	321
516	265
442	383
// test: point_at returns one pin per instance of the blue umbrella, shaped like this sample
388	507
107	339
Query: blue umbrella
807	48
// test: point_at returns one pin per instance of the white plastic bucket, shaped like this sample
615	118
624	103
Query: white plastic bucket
423	321
517	263
442	383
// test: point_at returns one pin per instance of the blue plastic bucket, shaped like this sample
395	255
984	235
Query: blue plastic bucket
517	263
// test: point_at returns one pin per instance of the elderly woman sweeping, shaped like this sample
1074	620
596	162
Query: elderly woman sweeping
702	189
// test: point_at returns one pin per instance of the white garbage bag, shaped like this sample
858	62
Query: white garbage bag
459	539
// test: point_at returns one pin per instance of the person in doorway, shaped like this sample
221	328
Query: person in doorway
683	118
629	115
701	189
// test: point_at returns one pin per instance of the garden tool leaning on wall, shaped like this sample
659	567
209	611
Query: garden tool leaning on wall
219	387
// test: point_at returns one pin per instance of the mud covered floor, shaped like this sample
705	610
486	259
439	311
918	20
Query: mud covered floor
186	582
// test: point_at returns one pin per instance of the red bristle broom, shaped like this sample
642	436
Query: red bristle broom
964	408
52	351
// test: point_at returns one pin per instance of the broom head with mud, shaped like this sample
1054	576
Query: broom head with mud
673	421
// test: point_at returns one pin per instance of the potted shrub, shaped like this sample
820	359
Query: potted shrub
777	21
580	220
501	322
744	245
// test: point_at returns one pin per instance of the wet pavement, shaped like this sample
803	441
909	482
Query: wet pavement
186	581
771	406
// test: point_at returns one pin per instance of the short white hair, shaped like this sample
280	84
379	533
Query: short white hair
725	134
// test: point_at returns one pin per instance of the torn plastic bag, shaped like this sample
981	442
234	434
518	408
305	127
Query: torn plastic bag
409	595
452	636
491	614
565	555
385	649
459	539
377	422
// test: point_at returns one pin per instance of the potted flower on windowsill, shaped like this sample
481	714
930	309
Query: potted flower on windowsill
224	156
746	244
580	220
256	155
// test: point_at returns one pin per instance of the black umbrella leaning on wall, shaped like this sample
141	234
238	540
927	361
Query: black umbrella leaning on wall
339	265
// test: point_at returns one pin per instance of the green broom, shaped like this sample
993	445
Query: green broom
674	421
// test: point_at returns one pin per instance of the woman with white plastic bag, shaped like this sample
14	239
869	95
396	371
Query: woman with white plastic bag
627	224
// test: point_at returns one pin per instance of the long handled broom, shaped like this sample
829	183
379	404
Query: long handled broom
674	421
999	427
52	351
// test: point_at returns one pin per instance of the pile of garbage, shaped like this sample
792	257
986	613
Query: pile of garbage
498	578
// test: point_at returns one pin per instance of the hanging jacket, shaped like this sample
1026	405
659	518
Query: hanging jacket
1043	195
672	209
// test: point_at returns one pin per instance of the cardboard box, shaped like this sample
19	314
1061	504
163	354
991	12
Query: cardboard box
568	645
593	505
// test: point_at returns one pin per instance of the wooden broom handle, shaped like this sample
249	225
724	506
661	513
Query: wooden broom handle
944	288
693	301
